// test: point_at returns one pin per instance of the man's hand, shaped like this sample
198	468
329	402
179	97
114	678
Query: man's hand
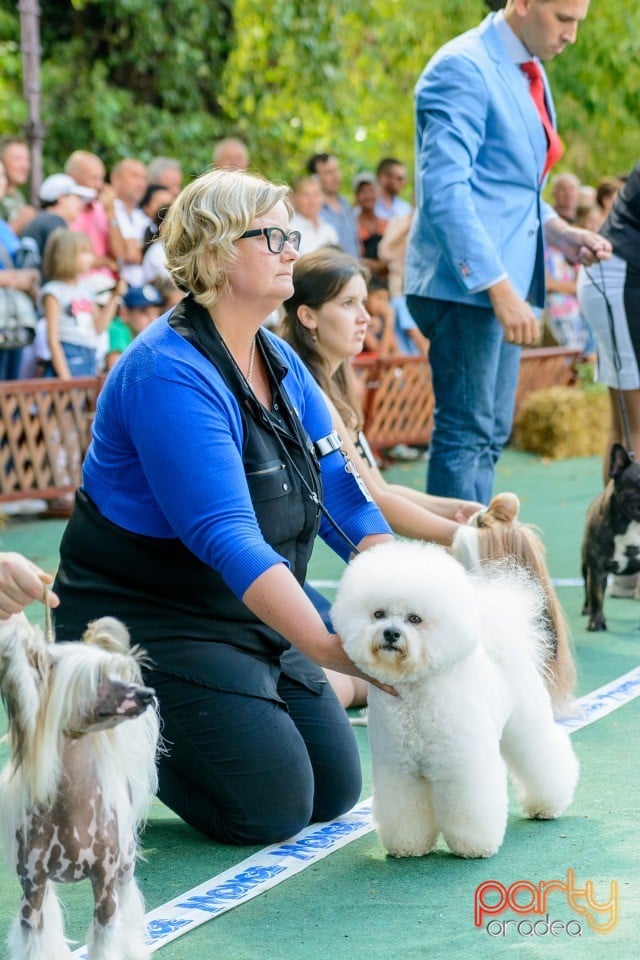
578	245
515	314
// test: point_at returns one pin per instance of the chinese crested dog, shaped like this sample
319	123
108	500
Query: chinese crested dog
466	655
496	535
78	783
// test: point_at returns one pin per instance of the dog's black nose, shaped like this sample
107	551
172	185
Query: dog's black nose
144	695
391	636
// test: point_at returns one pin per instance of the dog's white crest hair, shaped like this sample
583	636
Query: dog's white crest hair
109	633
467	548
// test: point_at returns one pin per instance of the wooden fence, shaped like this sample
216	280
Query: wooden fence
545	367
45	428
398	398
45	425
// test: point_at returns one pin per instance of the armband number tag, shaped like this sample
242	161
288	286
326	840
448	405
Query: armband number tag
351	468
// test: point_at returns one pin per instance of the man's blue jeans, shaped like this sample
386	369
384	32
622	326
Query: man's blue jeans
475	376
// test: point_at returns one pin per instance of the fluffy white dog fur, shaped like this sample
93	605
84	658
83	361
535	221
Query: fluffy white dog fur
466	655
83	734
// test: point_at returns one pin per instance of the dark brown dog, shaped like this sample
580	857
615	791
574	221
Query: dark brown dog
611	541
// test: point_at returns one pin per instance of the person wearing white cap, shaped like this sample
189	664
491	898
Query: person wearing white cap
61	200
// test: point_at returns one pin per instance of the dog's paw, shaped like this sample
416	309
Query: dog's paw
477	843
402	852
539	812
597	623
474	851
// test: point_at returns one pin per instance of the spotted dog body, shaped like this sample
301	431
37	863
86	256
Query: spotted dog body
76	816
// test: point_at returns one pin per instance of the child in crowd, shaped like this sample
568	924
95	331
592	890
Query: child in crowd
410	340
387	335
140	307
73	319
380	338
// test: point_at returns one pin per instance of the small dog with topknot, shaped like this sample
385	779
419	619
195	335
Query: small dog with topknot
83	735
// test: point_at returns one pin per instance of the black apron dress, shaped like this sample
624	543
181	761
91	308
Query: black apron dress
205	644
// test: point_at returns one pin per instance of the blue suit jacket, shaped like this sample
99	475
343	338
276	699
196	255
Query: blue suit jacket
480	151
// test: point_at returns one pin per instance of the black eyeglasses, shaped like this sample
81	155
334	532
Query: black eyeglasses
276	238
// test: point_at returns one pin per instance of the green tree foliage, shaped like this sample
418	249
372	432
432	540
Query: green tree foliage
596	87
12	108
132	77
332	76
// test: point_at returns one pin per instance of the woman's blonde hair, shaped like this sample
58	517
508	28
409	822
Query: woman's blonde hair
61	252
317	278
205	220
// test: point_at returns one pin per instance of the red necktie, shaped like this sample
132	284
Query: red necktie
536	89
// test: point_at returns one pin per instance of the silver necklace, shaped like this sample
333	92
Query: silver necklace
252	357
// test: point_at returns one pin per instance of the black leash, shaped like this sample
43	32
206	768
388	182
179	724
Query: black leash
313	496
305	443
617	362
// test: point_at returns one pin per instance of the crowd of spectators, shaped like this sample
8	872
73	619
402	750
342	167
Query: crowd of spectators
121	216
122	272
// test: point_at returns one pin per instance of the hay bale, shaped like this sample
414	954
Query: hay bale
560	422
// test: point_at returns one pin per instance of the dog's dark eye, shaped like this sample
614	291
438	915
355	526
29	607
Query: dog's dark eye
379	614
414	618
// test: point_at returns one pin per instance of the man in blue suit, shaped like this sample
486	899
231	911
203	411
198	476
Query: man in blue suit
475	258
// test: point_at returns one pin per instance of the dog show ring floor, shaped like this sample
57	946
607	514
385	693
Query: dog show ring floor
331	893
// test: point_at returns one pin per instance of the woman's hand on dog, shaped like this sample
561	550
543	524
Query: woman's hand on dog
22	582
335	658
467	509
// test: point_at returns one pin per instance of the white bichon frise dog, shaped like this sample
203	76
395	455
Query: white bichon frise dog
466	656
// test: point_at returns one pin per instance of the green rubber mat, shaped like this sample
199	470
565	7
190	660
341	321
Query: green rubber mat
358	904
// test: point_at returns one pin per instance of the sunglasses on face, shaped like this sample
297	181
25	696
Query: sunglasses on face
276	238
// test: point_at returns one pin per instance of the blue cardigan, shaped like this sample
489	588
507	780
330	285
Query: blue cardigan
166	457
